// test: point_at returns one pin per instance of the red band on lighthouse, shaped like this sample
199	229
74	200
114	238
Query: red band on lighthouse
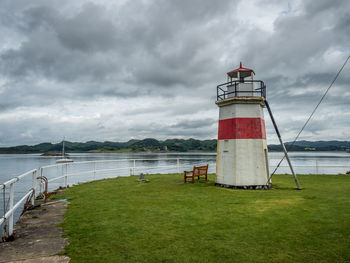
242	128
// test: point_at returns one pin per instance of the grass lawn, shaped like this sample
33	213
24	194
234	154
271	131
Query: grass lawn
121	220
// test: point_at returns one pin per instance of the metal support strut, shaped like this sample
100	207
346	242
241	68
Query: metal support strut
282	144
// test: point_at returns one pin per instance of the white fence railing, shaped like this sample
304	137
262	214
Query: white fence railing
65	174
10	208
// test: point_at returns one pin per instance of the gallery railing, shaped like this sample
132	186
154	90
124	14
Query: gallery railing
248	88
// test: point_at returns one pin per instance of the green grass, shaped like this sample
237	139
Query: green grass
121	220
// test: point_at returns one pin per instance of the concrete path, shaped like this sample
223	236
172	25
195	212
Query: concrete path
37	236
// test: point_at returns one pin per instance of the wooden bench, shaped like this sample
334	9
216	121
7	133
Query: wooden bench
197	171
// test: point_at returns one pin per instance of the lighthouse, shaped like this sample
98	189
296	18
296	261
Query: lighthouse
242	155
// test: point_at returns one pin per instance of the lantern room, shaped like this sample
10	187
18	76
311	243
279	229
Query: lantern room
240	74
237	83
241	83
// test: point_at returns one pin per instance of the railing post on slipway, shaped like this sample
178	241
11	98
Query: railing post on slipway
33	186
4	197
178	165
11	200
66	175
41	179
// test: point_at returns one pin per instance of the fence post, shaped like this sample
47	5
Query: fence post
41	180
94	171
4	199
316	166
66	175
133	169
34	186
178	165
11	200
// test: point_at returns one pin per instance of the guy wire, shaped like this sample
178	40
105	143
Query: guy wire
307	121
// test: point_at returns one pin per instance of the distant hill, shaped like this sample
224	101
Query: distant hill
314	146
169	145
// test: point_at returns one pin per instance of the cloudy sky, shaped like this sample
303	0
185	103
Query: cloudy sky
117	70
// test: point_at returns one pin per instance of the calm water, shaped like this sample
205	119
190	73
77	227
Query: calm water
304	162
16	164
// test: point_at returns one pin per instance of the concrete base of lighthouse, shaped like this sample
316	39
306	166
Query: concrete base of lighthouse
246	187
242	160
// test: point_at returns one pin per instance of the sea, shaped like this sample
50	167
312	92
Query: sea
303	162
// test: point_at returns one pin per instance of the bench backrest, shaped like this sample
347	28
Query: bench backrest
200	170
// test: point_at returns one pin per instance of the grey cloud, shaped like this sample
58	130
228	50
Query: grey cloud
156	48
201	128
196	124
86	34
167	51
299	41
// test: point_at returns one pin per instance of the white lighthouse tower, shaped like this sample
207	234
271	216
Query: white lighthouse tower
242	157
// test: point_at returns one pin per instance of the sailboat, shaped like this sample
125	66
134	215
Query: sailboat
64	159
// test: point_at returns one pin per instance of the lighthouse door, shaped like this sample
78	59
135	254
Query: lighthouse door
227	164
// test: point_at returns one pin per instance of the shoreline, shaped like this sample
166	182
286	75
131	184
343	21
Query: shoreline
150	152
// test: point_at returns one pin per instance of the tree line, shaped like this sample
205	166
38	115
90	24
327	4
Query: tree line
169	145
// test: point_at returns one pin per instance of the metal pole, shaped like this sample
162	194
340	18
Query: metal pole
65	176
10	208
282	144
3	230
94	171
217	93
4	197
178	165
41	180
133	169
34	186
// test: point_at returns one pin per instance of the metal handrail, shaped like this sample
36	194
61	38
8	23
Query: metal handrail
119	160
8	216
14	208
16	178
116	169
